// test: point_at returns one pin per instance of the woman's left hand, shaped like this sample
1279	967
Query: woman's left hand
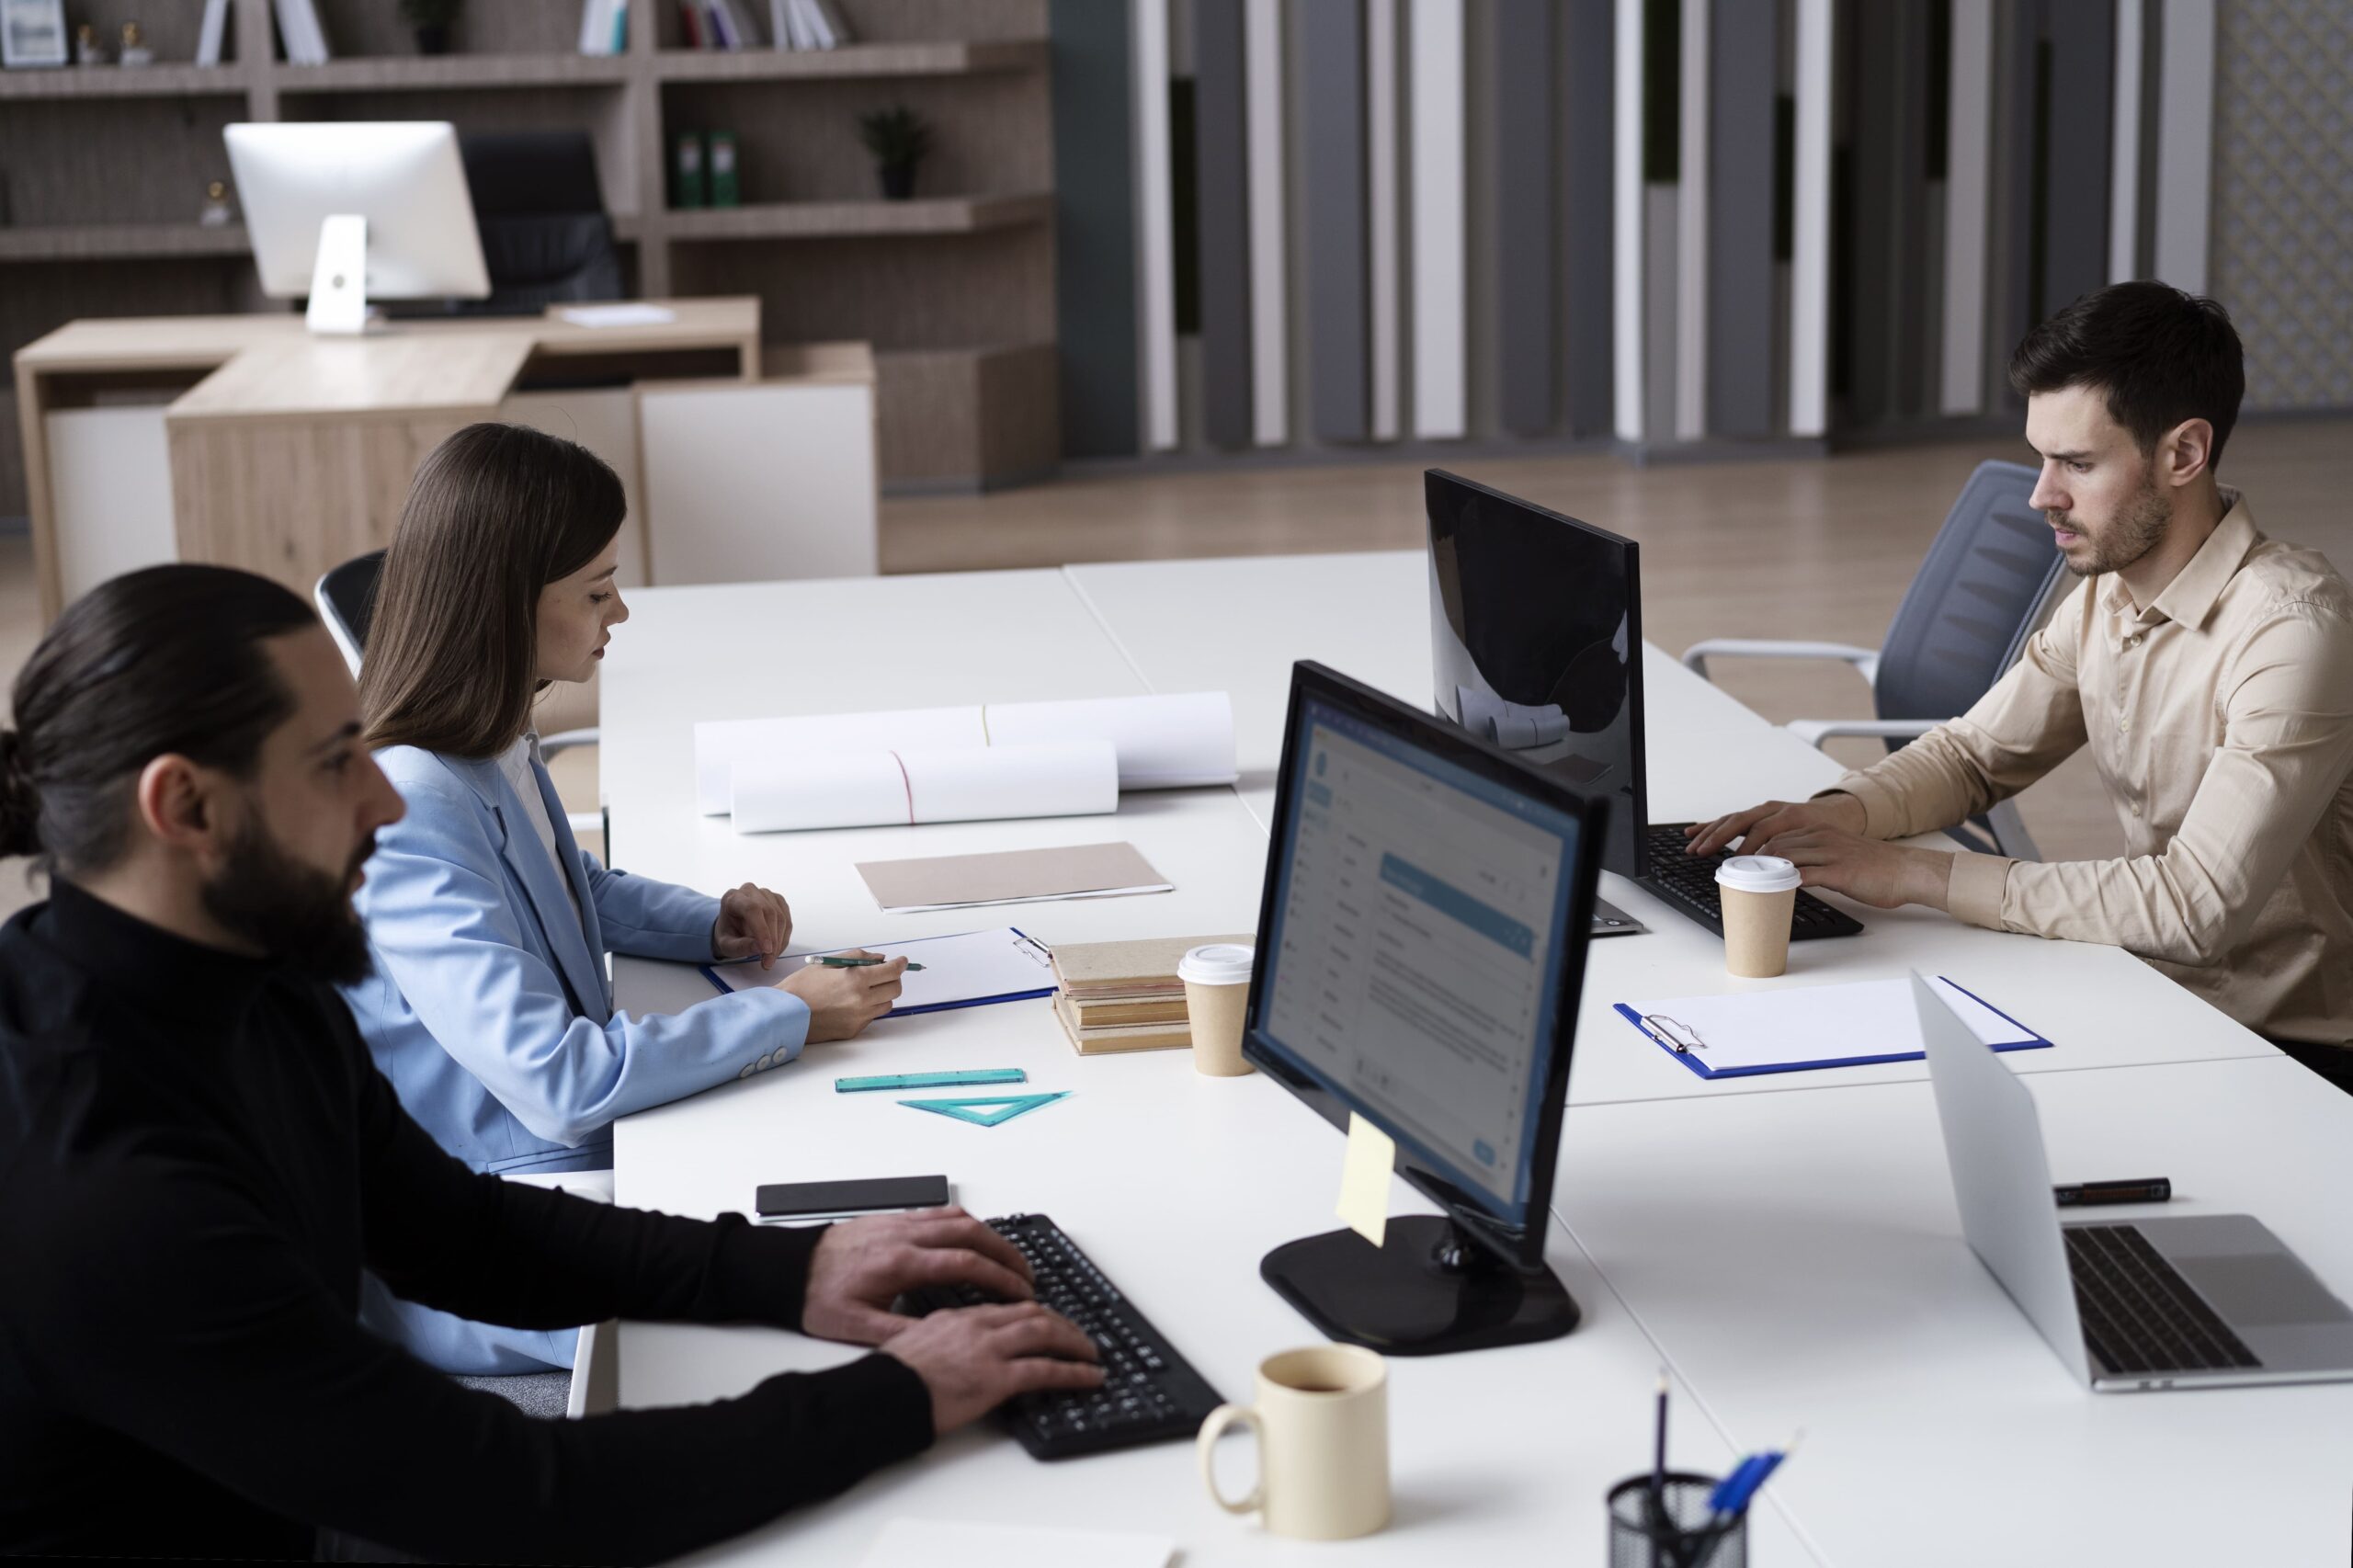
753	922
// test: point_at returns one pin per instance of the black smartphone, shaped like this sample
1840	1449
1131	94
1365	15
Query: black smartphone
782	1199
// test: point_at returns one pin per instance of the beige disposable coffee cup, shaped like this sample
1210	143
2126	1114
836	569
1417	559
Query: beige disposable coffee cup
1759	893
1216	990
1323	1424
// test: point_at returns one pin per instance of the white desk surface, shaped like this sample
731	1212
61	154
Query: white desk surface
1485	1464
1800	1258
1177	1185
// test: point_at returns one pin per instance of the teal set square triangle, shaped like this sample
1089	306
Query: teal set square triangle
1007	1107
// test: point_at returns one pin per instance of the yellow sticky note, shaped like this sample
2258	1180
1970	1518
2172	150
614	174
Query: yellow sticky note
1364	1181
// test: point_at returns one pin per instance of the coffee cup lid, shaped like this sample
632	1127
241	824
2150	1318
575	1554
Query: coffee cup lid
1219	963
1758	874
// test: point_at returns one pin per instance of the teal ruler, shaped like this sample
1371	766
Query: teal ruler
931	1080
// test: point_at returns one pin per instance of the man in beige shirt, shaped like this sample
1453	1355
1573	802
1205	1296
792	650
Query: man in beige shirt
2210	669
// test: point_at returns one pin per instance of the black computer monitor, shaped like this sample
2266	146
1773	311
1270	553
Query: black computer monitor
1421	947
1535	632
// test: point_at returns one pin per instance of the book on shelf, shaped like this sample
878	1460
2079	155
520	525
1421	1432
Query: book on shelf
604	26
211	31
299	29
826	19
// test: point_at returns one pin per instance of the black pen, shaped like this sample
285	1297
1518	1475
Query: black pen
2083	1193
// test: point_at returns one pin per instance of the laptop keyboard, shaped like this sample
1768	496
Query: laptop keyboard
1689	882
2139	1313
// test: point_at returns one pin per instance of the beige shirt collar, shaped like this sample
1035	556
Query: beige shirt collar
2197	587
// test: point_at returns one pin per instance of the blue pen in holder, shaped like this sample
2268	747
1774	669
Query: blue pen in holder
1673	1529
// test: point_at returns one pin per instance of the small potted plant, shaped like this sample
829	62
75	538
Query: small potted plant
898	138
432	19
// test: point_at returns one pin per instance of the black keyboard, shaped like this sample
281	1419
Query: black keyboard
2139	1313
1689	882
1150	1395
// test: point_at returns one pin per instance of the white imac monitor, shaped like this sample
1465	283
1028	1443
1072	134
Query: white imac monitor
344	211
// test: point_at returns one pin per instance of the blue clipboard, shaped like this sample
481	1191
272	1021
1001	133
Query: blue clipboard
1033	950
1692	1059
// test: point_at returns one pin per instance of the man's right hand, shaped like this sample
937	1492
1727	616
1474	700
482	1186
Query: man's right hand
843	1001
1759	825
975	1359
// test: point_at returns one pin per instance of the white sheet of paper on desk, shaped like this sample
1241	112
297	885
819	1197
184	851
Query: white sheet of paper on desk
875	788
939	1543
1163	743
1821	1023
619	316
972	967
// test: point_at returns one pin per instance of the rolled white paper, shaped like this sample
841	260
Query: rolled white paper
1166	742
874	789
1163	743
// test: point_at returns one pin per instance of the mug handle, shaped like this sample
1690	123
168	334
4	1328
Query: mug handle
1224	1416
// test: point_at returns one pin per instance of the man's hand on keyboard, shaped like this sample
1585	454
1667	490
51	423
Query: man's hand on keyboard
975	1359
861	1266
1759	825
1868	871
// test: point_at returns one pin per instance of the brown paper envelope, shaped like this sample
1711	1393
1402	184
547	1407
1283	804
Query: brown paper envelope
1008	875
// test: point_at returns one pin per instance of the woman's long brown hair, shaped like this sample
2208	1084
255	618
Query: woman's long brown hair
496	513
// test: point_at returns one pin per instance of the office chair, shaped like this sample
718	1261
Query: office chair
346	598
1991	578
542	214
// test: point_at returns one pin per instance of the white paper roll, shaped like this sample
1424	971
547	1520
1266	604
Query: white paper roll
875	788
1166	742
721	743
1163	743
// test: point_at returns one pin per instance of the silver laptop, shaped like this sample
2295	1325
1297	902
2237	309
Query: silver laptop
2188	1300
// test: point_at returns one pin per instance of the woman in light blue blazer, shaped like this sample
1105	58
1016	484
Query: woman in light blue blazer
489	1009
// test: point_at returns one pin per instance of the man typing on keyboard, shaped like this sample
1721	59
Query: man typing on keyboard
2210	670
198	1158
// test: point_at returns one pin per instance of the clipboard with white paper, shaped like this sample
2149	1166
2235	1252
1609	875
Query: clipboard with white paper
1741	1033
971	969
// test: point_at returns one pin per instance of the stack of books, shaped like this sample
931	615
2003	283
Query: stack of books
1125	995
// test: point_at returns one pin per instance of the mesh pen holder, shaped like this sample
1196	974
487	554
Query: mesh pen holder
1682	1534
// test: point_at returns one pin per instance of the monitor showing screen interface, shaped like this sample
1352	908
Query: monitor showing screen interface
1421	947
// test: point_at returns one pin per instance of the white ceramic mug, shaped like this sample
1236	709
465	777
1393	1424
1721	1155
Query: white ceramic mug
1322	1419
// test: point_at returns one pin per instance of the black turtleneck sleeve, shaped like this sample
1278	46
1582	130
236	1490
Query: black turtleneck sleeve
183	1274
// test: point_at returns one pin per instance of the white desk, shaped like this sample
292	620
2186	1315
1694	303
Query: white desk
1178	1185
1368	616
1800	1258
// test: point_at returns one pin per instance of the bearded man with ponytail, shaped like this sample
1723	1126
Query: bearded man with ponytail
197	1159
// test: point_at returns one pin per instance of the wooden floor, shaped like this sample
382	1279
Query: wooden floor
1818	549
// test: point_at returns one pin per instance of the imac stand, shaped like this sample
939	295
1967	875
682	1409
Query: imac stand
1430	1290
339	278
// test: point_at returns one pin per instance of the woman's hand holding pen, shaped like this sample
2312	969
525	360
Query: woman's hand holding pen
843	1001
753	923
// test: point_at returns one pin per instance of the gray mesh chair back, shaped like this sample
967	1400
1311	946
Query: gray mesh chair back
347	601
1976	598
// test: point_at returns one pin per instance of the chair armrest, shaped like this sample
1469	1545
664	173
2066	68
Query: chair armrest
1696	657
565	740
1814	732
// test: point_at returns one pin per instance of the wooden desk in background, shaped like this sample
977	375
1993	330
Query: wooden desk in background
287	453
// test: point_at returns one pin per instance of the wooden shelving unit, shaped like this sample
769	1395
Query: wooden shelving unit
103	169
849	219
121	242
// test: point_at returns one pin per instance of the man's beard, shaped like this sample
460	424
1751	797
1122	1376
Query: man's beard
298	915
2134	533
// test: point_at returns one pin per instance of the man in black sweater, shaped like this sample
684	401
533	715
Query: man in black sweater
197	1159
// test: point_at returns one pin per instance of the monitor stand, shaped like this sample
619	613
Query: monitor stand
339	277
1430	1290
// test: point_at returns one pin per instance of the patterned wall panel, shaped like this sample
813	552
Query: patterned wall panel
2283	196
